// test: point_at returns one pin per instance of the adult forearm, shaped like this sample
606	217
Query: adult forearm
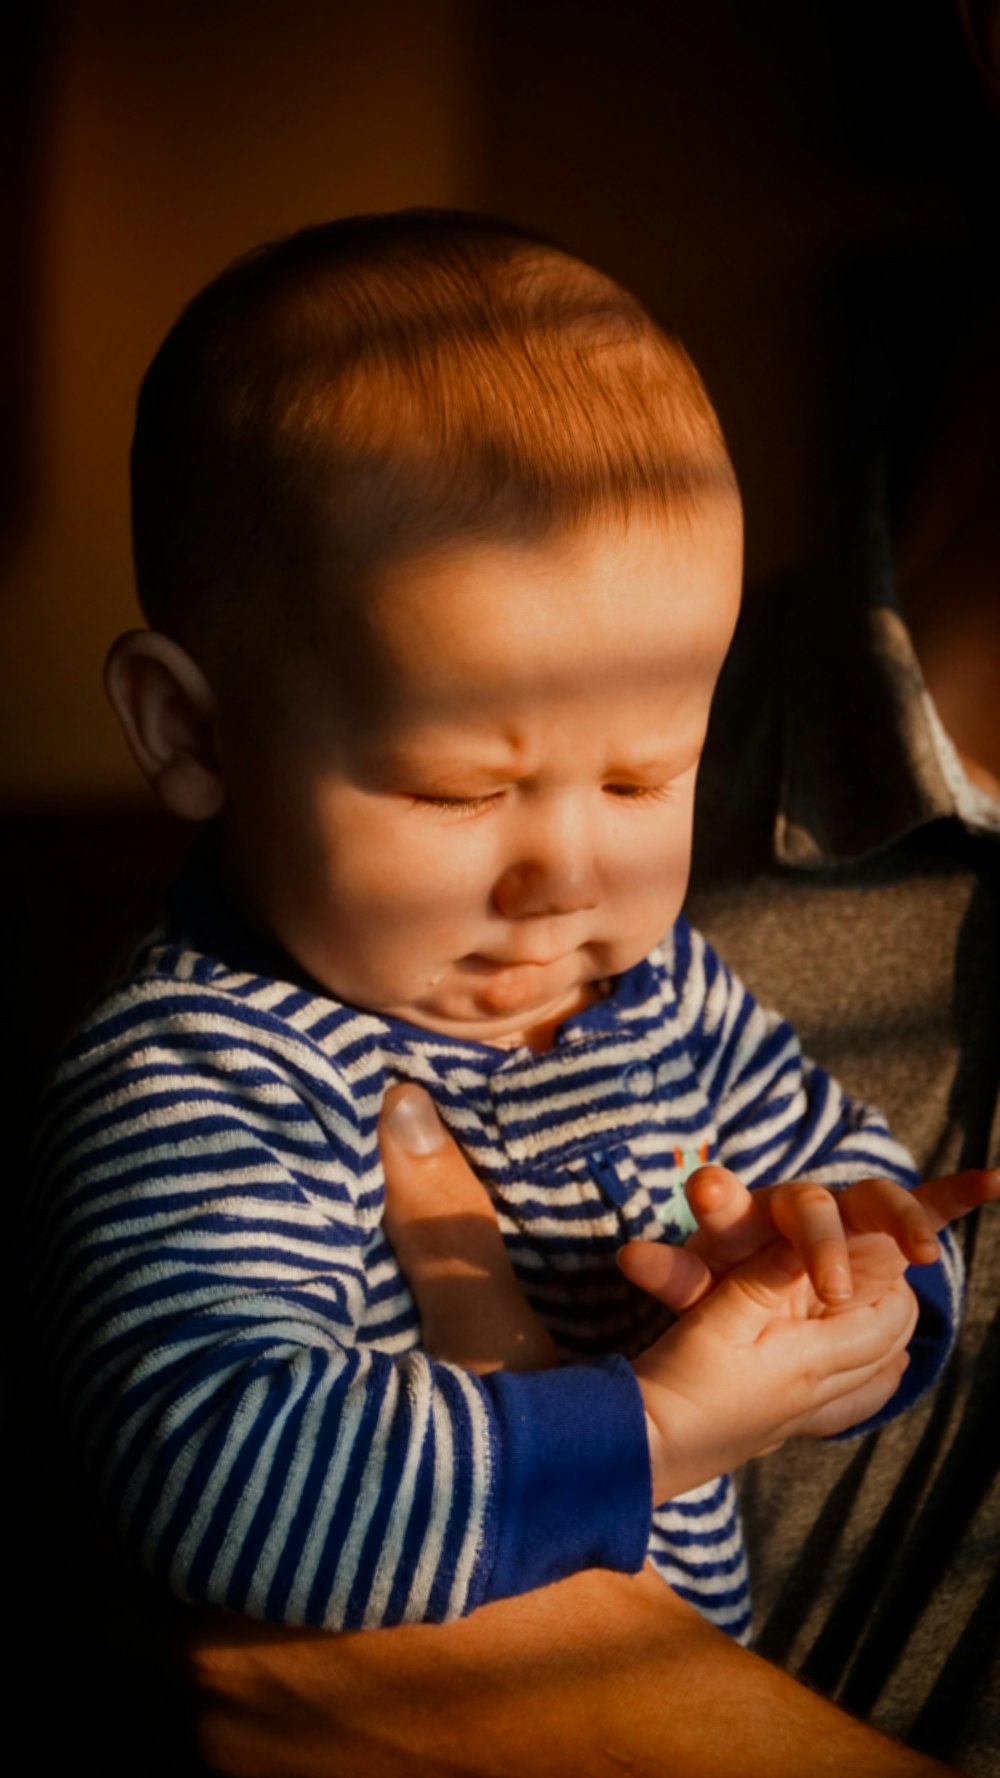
600	1674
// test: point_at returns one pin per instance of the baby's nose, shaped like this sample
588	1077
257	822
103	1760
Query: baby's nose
538	887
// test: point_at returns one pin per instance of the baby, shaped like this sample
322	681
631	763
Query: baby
440	548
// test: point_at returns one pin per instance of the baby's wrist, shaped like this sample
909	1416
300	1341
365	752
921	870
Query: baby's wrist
659	1462
665	1441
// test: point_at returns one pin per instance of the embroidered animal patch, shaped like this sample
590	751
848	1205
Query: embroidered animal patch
675	1212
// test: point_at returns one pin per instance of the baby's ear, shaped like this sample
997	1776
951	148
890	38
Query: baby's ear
167	709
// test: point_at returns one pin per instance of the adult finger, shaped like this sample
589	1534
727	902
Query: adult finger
443	1230
911	1218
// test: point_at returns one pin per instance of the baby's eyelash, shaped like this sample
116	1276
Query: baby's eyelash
457	805
638	793
475	805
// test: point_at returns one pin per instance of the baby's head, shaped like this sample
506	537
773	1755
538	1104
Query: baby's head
440	546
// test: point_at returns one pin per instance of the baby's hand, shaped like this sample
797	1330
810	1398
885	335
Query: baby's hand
758	1361
821	1226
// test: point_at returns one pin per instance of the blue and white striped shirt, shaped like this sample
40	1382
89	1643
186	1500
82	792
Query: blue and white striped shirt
235	1348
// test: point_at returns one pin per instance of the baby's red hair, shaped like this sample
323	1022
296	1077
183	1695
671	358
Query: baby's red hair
386	384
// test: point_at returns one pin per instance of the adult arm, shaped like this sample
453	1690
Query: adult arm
600	1674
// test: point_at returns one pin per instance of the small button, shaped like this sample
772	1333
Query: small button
639	1080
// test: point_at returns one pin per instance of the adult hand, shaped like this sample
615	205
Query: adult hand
443	1230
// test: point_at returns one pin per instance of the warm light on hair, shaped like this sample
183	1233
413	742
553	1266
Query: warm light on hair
385	384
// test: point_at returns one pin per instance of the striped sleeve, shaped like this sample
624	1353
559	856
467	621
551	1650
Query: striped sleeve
778	1115
781	1117
206	1192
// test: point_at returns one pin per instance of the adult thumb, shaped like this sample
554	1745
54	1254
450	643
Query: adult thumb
443	1230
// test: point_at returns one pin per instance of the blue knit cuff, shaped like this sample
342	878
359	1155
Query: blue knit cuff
572	1460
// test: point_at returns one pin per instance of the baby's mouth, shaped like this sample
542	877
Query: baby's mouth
480	965
502	985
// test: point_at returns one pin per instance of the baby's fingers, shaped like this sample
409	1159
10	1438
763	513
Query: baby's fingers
809	1218
880	1207
731	1223
847	1352
945	1200
877	1206
674	1275
762	1303
861	1404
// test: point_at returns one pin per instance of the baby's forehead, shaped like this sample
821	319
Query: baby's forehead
352	606
544	563
519	616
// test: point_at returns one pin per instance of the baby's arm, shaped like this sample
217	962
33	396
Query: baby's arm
235	1355
233	1345
738	1376
780	1117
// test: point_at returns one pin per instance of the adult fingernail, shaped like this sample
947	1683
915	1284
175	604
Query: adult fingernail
414	1124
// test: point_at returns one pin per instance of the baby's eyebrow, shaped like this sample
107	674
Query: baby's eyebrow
659	765
655	759
485	761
